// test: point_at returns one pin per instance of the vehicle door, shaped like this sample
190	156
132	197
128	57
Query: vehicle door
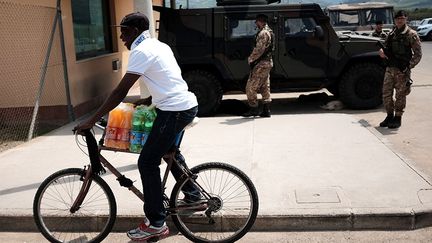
240	30
301	52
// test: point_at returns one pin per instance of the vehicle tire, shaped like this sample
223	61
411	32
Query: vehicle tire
230	204
54	197
334	89
361	86
207	89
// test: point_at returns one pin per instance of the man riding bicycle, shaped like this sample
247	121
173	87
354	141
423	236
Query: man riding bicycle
153	63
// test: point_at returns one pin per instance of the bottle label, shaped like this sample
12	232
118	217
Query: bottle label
144	138
135	137
111	133
123	134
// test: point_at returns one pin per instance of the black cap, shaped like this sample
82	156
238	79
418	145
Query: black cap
137	19
400	13
378	22
262	17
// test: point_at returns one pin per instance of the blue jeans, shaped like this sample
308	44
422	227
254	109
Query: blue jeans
166	127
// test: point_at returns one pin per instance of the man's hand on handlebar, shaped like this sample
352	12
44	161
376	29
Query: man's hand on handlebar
80	128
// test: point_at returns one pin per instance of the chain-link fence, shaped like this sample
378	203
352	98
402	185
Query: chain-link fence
32	81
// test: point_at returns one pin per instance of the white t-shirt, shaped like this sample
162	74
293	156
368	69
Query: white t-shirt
159	71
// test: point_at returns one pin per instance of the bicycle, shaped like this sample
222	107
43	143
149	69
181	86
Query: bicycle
77	205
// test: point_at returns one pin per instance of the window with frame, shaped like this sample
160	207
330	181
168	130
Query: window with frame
384	15
91	25
345	18
299	27
242	28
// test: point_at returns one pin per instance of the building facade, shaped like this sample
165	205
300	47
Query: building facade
34	71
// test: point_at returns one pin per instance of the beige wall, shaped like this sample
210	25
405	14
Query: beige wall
24	49
94	77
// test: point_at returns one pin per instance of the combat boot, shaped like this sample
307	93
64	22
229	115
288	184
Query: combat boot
266	110
387	120
396	122
253	111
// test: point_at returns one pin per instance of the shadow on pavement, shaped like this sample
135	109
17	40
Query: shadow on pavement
304	104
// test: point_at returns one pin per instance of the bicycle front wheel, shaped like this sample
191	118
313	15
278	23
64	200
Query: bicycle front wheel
226	209
92	222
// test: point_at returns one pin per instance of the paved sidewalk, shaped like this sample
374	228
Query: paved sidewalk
312	172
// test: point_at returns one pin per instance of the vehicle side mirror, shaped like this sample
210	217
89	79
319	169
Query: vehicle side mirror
319	32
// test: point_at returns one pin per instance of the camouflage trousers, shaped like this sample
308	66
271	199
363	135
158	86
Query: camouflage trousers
259	82
395	80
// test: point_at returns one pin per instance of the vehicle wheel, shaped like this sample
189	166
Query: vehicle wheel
228	206
54	198
361	86
207	89
334	89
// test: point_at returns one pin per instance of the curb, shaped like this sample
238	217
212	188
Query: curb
370	219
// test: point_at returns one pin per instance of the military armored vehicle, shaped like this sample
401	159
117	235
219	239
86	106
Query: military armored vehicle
212	46
360	17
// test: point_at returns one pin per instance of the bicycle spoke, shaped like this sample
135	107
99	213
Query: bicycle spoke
231	206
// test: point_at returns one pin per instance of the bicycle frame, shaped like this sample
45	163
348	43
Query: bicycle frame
169	158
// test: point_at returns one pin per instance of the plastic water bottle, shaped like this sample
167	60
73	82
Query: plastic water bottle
112	128
123	134
150	116
137	130
118	127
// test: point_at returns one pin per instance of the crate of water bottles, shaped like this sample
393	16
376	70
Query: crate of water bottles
128	128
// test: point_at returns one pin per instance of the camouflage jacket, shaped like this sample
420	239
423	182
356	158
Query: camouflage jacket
262	42
405	46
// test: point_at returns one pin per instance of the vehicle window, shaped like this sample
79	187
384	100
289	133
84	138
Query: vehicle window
299	27
91	27
430	22
344	18
242	28
384	15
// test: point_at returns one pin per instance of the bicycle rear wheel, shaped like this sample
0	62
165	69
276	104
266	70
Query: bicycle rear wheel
227	209
53	200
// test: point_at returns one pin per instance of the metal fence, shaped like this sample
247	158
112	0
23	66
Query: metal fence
34	95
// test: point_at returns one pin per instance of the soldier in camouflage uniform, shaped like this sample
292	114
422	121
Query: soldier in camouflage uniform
260	61
378	32
403	52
